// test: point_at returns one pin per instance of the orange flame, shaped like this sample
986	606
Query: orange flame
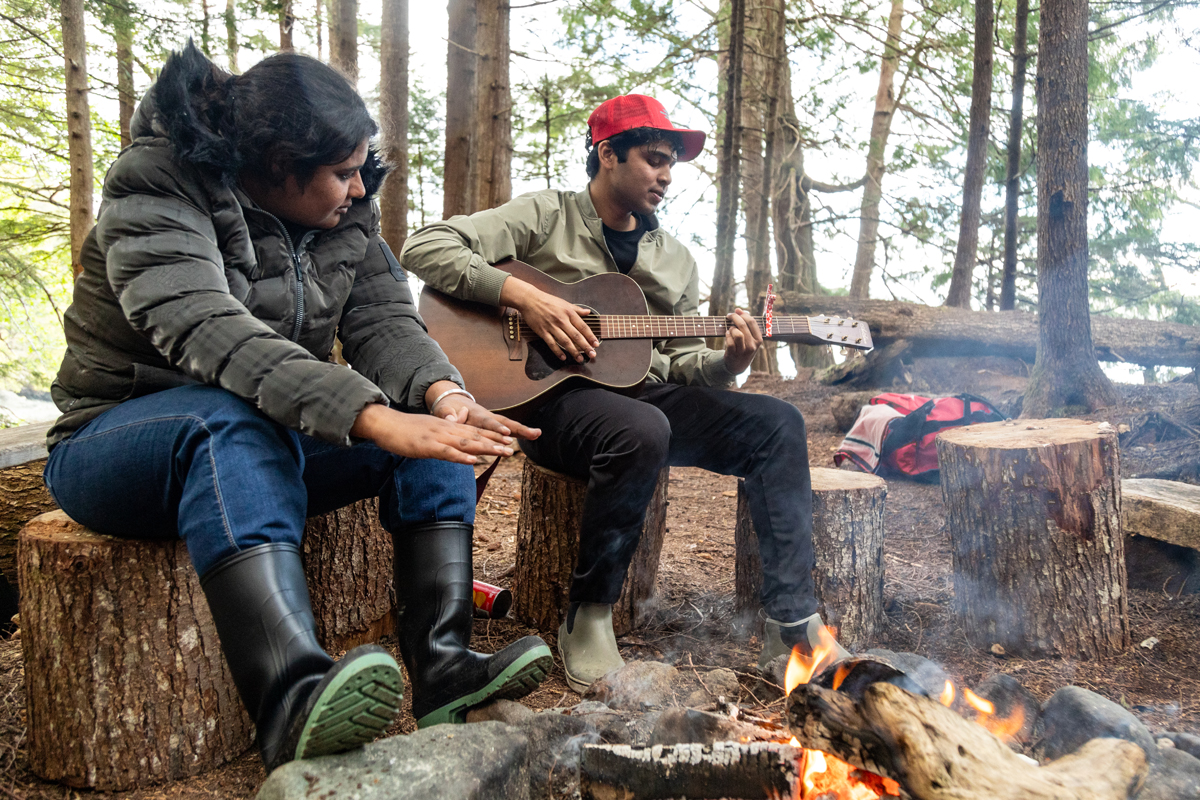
801	668
978	703
1004	727
947	696
823	775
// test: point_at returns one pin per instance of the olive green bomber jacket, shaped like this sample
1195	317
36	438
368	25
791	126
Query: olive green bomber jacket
559	233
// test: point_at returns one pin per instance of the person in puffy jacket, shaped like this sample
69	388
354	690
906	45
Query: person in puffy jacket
236	240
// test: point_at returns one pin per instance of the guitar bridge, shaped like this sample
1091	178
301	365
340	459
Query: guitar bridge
512	334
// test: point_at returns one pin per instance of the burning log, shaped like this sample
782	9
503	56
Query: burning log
1034	513
848	544
937	755
725	769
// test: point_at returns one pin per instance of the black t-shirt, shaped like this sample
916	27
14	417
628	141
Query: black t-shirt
624	244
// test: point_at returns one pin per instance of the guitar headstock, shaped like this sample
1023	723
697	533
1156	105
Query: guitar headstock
841	332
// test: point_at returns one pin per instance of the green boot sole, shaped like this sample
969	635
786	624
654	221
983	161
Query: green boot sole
518	679
356	701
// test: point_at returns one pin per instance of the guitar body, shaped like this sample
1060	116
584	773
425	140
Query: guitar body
513	378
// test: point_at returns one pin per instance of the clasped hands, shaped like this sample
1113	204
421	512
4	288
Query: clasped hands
562	327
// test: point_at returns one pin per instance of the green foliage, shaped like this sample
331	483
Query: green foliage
425	150
550	122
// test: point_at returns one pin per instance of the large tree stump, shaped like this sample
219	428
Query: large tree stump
848	549
1034	513
348	564
548	546
124	679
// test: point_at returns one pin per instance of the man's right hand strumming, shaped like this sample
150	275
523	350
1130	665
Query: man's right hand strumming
560	324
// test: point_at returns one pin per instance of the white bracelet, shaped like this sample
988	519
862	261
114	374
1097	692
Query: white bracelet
446	394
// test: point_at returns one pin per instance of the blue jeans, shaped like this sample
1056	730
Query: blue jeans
200	463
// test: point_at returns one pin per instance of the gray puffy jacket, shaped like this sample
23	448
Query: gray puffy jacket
186	280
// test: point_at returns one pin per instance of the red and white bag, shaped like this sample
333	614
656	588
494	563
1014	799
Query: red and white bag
895	433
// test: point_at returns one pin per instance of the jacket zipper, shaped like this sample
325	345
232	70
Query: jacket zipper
298	266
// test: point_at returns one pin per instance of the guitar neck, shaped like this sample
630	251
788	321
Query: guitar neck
656	327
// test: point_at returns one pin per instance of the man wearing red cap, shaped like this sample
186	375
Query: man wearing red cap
683	417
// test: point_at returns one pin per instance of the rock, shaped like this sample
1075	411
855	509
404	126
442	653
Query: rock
555	739
506	711
723	683
636	686
1187	742
589	707
689	726
1073	715
486	761
921	676
1009	697
1175	776
641	727
776	671
699	699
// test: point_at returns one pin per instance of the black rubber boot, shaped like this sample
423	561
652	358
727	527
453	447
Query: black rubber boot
434	591
302	703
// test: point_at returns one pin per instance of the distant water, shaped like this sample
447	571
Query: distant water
18	410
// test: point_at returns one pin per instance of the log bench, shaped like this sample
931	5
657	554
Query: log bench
1162	534
848	548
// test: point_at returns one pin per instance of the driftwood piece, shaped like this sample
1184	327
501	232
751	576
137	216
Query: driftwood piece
659	772
1034	513
937	755
348	565
848	546
1165	510
548	546
945	331
124	678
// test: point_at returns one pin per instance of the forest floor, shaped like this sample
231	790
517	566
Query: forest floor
691	625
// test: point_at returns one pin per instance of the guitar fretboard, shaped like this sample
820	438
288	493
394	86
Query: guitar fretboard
655	327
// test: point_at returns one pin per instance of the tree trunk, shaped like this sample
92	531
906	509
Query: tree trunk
23	496
881	127
938	330
721	299
79	126
123	38
231	37
393	119
286	22
548	547
1034	514
343	37
1066	377
494	106
348	567
1012	185
125	681
959	293
317	24
205	36
461	167
848	543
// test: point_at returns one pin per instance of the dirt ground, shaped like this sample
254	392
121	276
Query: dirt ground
691	625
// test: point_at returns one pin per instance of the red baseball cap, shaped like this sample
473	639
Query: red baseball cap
629	111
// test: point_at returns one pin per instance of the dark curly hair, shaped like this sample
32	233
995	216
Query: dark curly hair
287	115
624	141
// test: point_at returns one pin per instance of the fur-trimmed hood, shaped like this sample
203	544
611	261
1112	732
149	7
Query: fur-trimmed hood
202	133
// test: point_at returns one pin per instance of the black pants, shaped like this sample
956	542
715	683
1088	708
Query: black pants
619	445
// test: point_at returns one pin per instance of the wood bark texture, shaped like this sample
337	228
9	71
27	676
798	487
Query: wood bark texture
231	37
23	496
959	293
723	769
462	59
1165	510
393	122
1034	514
493	112
79	126
348	565
937	755
125	682
881	128
942	331
1012	185
1065	374
343	37
729	160
848	548
548	547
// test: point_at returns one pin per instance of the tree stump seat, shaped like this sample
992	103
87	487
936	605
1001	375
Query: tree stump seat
848	549
126	685
548	545
1033	508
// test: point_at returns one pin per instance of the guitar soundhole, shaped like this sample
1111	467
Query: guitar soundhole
540	363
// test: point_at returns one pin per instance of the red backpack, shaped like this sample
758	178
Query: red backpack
905	444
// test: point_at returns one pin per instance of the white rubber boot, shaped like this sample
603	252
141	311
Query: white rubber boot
806	633
589	649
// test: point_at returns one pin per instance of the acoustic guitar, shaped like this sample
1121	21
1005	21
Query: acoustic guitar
511	370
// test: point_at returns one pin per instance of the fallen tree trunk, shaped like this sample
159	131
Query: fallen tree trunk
943	331
723	769
937	755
